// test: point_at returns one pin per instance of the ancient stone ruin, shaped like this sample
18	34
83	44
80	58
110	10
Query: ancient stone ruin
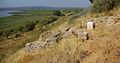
81	34
34	46
90	25
48	41
109	21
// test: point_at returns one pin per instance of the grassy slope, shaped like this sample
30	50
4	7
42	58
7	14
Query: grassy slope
69	50
10	46
56	26
102	47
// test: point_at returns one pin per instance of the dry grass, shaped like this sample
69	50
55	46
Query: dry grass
103	46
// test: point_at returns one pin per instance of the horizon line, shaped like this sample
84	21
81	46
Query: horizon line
47	6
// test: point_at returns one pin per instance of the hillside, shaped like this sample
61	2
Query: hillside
62	43
90	38
25	27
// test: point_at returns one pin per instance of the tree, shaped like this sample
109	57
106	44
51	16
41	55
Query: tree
91	1
104	5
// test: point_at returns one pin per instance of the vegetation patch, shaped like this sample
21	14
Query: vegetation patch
104	5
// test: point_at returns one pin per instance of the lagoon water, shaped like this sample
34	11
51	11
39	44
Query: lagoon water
5	13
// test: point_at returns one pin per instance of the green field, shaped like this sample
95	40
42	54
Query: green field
25	21
8	22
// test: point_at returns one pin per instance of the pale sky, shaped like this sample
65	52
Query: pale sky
48	3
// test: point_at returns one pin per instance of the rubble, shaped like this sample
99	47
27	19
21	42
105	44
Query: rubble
81	34
49	42
34	46
110	20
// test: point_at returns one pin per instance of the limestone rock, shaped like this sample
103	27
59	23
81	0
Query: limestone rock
49	42
35	46
82	35
90	25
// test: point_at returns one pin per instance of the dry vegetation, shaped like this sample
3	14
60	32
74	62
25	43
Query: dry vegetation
103	45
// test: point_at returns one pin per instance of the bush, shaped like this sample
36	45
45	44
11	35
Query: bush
104	5
49	20
57	13
28	26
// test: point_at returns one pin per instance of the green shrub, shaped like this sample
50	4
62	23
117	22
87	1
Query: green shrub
104	5
57	13
49	20
28	26
20	28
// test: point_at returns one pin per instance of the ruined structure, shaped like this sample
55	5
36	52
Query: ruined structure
90	25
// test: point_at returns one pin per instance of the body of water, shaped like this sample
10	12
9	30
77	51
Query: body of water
9	13
5	13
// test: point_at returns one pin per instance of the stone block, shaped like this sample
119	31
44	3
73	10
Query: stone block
90	25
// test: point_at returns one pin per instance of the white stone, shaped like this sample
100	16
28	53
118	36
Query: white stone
83	35
28	44
90	25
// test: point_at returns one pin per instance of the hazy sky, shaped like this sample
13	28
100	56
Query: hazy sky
49	3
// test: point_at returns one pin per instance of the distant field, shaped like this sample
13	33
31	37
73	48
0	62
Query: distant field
14	20
19	21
